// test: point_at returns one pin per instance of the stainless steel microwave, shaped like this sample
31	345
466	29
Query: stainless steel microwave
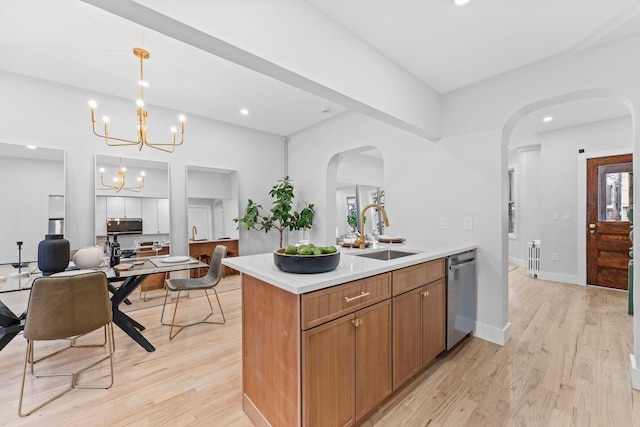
124	226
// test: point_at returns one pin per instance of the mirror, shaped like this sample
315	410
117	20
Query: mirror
137	215
360	180
33	197
212	203
350	199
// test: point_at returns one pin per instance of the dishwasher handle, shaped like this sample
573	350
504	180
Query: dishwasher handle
461	264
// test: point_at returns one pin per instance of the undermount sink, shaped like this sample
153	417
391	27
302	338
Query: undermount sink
386	255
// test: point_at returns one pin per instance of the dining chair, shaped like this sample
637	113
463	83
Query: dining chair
210	281
66	307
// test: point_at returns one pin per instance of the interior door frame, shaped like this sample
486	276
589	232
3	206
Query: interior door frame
581	220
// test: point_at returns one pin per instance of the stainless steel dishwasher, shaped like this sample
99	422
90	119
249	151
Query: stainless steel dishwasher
461	296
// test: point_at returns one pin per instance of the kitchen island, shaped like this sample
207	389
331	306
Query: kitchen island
327	349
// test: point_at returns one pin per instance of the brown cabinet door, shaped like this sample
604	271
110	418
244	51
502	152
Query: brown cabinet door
328	373
373	356
407	336
433	320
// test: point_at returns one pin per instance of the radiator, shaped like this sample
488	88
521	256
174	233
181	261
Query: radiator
533	262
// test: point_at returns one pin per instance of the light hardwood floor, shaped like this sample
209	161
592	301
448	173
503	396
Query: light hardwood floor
567	364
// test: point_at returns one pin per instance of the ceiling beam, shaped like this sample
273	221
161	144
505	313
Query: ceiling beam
178	30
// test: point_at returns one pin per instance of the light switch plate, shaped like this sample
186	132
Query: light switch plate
468	223
555	256
555	216
444	223
566	216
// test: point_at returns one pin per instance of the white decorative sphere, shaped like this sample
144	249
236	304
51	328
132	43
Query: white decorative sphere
89	257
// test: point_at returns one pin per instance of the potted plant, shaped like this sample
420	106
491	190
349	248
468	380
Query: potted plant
352	220
281	216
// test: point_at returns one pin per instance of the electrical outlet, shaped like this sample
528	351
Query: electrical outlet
444	223
468	223
555	256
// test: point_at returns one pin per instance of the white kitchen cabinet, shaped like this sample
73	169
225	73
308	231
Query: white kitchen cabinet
124	207
163	216
149	216
155	216
101	216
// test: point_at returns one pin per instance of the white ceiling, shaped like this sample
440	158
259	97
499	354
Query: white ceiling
446	46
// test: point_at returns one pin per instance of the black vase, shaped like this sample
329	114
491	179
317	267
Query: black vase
53	254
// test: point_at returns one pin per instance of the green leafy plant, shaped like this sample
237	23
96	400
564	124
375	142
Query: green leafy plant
352	219
281	216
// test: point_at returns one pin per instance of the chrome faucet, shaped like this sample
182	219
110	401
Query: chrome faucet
194	231
361	240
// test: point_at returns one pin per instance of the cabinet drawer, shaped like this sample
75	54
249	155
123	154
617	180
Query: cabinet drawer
328	304
412	277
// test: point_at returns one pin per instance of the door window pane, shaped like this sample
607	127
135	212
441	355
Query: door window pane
615	191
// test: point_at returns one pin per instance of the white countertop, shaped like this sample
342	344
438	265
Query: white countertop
351	267
191	242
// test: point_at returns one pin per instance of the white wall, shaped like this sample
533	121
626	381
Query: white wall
498	103
422	182
56	116
548	182
156	180
218	190
464	174
559	189
27	184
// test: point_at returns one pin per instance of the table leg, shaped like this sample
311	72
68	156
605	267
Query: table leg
124	322
10	325
135	324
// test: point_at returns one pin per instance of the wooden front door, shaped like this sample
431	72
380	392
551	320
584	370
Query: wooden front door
609	195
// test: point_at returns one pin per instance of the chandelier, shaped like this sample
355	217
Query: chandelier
141	140
119	183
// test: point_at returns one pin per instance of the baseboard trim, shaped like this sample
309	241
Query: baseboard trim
253	412
635	373
517	261
559	277
493	334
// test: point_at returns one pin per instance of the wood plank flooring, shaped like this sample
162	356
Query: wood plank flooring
567	364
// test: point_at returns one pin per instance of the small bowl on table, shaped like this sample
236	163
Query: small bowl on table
305	264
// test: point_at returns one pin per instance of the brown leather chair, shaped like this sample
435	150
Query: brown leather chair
207	282
67	307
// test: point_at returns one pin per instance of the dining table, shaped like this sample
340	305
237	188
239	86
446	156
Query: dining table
122	282
122	279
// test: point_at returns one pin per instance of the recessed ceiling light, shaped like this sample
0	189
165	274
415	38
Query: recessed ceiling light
325	111
143	83
244	111
547	119
31	147
461	2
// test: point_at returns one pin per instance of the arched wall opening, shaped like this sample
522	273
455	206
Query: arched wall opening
579	220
